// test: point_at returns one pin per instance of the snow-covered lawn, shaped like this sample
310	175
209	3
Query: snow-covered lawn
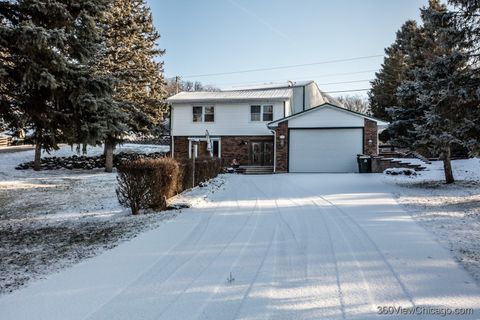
451	212
297	246
51	219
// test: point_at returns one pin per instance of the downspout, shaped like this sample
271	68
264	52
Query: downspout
303	98
274	151
170	132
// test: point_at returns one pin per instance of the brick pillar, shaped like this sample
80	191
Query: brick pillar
370	133
180	148
281	150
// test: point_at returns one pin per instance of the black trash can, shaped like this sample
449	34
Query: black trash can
364	164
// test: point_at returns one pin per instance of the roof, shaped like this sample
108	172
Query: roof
232	96
379	122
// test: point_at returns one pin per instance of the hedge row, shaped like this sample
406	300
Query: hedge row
148	183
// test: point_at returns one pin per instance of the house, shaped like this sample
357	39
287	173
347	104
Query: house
292	128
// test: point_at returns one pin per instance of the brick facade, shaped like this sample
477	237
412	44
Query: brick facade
232	147
370	134
180	148
282	147
238	147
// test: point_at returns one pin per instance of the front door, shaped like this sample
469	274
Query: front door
261	153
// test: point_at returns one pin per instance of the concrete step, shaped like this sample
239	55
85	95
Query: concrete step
256	169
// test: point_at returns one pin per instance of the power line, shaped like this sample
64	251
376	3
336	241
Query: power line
279	81
355	81
282	67
346	91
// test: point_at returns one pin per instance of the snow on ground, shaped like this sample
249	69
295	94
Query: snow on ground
297	246
451	212
52	219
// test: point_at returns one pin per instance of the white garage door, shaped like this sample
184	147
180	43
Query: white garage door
325	150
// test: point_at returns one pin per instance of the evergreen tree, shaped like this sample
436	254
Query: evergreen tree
399	62
467	32
47	84
130	57
438	86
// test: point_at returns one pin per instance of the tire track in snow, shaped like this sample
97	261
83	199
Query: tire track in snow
174	263
211	261
366	236
288	259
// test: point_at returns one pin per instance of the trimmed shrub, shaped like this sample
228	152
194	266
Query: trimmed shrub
147	183
205	169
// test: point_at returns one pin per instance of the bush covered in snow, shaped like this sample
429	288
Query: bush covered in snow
400	171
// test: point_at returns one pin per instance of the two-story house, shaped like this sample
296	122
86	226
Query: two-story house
292	128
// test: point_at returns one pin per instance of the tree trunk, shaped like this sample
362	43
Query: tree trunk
38	156
447	167
108	155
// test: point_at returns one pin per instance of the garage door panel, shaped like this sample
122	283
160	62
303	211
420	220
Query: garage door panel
325	150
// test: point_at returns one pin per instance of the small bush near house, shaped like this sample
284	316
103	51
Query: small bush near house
147	183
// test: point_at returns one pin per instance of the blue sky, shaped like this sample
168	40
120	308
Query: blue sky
215	36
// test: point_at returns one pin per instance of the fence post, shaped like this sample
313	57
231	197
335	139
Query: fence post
195	147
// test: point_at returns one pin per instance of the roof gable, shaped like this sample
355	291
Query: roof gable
325	106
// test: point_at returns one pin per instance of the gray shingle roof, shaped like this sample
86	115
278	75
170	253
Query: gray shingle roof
232	96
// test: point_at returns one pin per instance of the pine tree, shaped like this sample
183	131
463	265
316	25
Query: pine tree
47	84
439	85
396	72
467	32
130	57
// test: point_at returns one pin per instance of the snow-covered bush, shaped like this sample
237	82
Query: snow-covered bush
400	171
147	183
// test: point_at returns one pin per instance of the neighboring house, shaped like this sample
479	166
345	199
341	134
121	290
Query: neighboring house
293	128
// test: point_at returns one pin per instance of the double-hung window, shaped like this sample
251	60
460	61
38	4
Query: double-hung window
203	114
255	113
261	113
267	114
209	114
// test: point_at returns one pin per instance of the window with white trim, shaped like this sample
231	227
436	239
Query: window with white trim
203	114
209	114
267	114
255	113
261	113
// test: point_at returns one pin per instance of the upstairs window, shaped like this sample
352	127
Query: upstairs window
197	114
261	113
203	114
209	114
255	113
267	113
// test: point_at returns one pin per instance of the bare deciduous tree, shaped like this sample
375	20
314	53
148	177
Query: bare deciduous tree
355	103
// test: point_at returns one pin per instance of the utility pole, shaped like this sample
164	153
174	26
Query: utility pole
177	83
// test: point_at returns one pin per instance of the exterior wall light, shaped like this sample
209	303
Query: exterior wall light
282	140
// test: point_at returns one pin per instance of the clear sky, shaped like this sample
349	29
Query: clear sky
216	36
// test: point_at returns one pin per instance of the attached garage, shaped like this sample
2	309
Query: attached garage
324	149
326	138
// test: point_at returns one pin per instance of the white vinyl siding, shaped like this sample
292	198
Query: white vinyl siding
326	117
230	119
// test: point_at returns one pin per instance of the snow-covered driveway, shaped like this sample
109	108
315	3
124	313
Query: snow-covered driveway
298	246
